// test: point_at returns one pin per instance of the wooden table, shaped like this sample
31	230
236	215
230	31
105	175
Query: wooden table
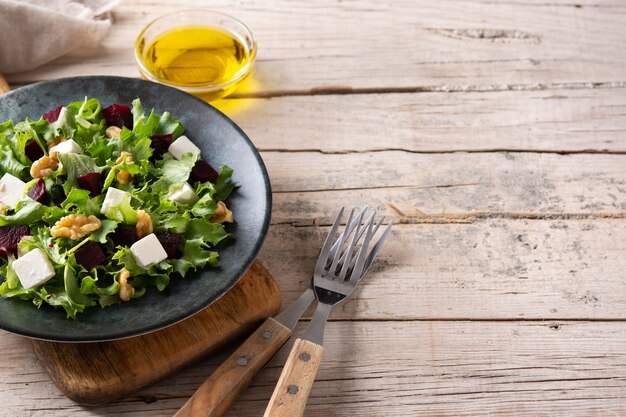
493	133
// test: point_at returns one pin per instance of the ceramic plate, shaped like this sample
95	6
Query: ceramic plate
221	142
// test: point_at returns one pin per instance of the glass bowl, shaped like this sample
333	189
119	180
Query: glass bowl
189	20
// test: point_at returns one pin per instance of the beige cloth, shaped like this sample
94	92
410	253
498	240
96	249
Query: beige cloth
33	32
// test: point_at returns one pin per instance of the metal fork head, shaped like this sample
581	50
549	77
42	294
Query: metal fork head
339	269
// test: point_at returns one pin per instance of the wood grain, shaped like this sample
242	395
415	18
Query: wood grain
426	187
463	368
552	120
218	392
94	373
404	44
397	369
296	380
497	269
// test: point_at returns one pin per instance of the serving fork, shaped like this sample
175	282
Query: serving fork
335	278
223	386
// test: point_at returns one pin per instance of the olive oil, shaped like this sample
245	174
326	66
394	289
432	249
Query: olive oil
195	56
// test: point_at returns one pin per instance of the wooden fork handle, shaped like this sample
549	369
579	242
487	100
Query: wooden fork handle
218	392
295	383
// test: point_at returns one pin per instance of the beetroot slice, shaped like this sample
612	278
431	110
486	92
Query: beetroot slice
118	115
92	182
124	235
170	241
10	237
38	192
53	115
33	150
90	255
204	172
161	143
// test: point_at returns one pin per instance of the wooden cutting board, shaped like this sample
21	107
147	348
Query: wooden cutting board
97	373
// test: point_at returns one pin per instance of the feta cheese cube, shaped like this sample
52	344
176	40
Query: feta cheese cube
181	146
33	269
113	197
148	251
184	194
67	146
11	190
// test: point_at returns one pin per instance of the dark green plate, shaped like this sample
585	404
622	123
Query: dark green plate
221	142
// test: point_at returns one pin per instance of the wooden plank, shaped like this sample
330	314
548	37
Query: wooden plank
551	120
395	369
461	45
472	232
492	269
455	184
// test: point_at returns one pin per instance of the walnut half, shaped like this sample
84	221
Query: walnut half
75	226
222	214
126	290
144	224
124	177
113	132
44	166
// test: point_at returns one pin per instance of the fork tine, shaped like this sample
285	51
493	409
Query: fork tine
321	261
348	230
349	250
360	232
362	253
368	260
340	242
376	248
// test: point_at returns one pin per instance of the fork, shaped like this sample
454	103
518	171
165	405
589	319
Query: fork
217	393
336	275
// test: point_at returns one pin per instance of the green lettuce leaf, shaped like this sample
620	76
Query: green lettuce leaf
195	255
72	288
79	201
11	160
68	295
15	141
223	185
100	235
206	205
88	121
107	295
154	124
101	150
27	211
173	173
12	280
209	233
142	151
50	246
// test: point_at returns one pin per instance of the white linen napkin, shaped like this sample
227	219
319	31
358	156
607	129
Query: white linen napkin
33	32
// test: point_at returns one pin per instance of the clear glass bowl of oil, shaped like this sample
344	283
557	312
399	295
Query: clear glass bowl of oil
202	52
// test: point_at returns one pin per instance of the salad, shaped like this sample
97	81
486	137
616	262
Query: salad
98	204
